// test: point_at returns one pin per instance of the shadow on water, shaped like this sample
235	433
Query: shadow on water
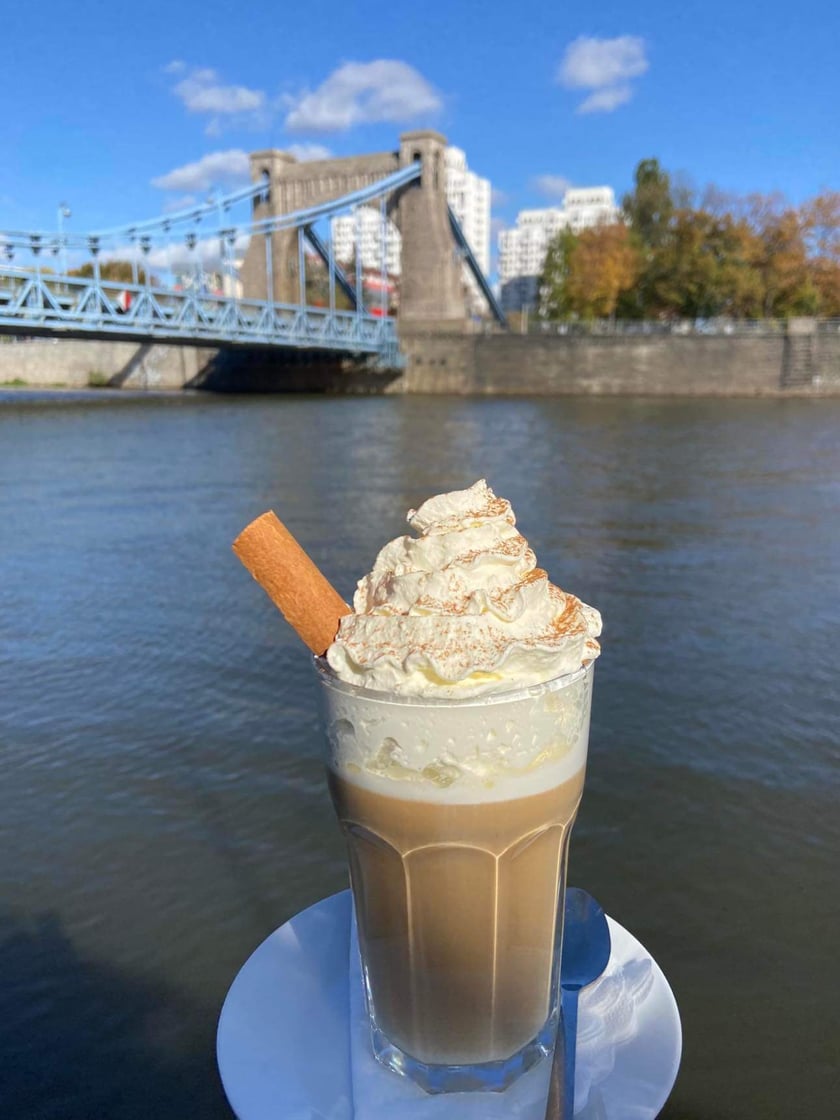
290	371
210	816
83	1041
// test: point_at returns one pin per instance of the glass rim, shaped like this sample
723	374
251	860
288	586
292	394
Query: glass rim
330	679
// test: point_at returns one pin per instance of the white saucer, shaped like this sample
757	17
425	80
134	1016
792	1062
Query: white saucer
284	1038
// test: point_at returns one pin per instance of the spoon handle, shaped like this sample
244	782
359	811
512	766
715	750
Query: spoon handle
570	1017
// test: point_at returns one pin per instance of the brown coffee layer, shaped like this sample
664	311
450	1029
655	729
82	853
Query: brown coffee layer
456	908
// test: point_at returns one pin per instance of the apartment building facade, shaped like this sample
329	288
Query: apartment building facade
469	196
523	249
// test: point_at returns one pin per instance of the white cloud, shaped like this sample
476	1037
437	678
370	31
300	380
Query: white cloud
177	256
202	92
363	93
498	197
552	186
592	63
229	168
308	151
605	100
604	66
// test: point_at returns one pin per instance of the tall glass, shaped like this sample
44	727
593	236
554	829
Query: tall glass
457	815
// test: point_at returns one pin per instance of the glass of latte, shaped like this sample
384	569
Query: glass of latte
456	701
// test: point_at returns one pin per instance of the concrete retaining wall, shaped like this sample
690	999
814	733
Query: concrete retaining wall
76	364
681	365
827	360
803	362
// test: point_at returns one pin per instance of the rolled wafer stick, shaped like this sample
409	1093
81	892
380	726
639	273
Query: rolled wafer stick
305	597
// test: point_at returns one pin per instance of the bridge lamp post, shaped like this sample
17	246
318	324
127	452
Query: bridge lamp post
230	239
145	248
64	211
269	267
191	241
94	247
35	246
357	236
132	237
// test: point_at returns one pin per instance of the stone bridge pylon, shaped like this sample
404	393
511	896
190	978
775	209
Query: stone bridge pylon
431	289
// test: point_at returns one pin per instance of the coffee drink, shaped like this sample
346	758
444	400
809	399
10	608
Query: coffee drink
456	700
457	913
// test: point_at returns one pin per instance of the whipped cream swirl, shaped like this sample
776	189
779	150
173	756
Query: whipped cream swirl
462	609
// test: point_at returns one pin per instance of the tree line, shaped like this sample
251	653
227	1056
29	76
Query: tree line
674	254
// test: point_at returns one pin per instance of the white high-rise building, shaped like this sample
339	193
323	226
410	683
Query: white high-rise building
590	206
366	225
522	250
468	195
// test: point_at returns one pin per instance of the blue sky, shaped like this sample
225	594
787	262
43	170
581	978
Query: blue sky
123	110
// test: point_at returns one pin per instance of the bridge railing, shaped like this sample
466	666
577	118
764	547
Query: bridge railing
652	327
148	279
45	305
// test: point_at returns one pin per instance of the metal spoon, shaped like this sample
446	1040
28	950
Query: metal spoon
586	952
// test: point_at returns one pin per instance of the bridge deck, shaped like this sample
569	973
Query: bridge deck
78	308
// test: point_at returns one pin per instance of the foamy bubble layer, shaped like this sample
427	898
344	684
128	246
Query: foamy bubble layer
462	609
491	749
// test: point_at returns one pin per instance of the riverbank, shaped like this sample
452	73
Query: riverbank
802	360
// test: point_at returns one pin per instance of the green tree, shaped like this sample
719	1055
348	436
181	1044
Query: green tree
782	258
585	275
704	268
690	255
649	207
554	301
738	278
649	210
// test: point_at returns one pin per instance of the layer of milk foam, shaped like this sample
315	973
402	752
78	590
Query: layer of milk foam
462	609
461	753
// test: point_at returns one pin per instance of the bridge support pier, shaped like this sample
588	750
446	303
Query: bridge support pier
270	269
431	286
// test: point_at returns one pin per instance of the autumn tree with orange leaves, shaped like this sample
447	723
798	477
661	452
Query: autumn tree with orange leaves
675	256
821	223
603	265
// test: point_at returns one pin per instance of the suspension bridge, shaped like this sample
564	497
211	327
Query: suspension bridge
276	280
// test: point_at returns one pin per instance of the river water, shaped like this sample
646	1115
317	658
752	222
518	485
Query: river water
162	804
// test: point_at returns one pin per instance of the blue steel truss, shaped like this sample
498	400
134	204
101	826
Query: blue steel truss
83	309
37	301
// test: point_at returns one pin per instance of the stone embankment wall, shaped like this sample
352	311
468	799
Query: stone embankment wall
76	364
803	361
81	364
